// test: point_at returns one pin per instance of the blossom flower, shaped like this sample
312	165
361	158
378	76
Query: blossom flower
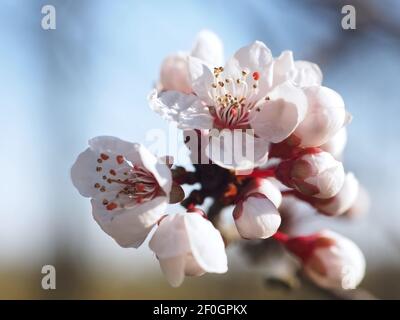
257	127
268	187
326	115
128	185
188	244
329	259
174	74
314	173
256	214
238	96
343	200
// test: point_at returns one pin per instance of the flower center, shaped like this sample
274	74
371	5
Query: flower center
124	184
234	99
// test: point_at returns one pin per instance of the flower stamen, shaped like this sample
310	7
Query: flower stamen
233	104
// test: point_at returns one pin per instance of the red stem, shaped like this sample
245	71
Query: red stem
262	173
281	237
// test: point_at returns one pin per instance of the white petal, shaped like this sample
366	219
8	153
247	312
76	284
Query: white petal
173	269
306	74
344	199
301	73
202	79
171	238
269	189
206	244
254	57
83	175
187	111
130	227
186	243
115	146
279	116
256	217
160	170
192	267
174	74
283	66
326	115
327	174
209	48
237	149
328	182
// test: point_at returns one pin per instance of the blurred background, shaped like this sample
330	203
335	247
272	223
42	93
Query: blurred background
91	76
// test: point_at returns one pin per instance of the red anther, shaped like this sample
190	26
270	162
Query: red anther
111	206
120	159
256	75
231	191
104	156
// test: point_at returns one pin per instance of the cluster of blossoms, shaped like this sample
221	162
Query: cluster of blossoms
297	130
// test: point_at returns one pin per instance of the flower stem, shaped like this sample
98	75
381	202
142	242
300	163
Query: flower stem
262	173
281	237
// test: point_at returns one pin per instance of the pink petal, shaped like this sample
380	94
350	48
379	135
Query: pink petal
279	116
188	111
209	48
326	115
130	227
206	244
257	217
174	74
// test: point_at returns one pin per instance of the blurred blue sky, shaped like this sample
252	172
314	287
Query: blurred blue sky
92	74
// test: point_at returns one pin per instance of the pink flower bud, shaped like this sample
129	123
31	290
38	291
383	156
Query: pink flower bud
330	260
326	115
315	174
256	217
343	200
267	187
